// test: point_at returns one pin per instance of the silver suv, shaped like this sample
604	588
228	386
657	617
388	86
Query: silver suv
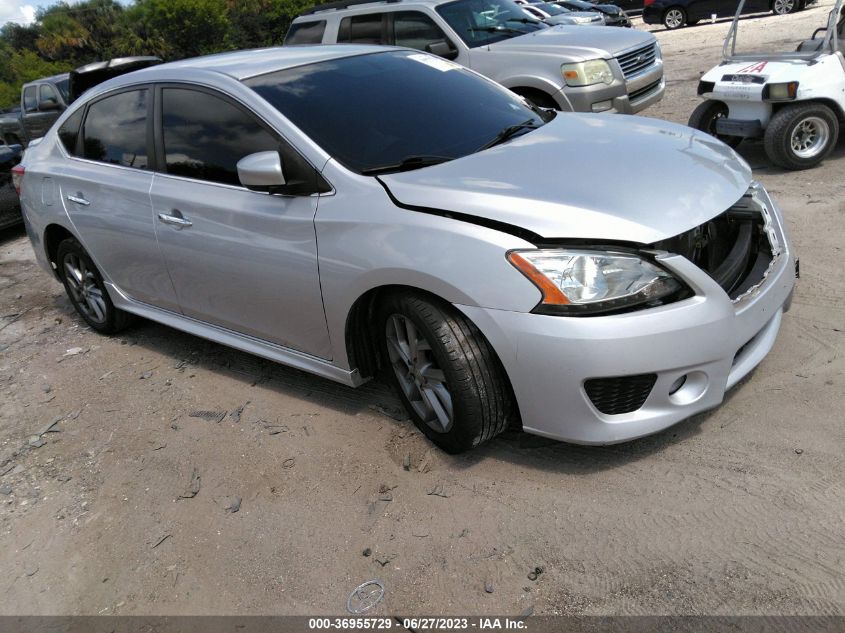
328	208
568	68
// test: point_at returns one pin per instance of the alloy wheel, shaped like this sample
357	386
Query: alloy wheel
85	288
782	7
419	376
675	18
809	137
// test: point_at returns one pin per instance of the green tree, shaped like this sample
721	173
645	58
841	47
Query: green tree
176	28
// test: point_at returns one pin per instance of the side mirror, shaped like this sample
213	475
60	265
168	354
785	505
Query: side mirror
261	171
49	104
442	48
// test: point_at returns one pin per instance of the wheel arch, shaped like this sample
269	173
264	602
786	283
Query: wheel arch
360	341
54	234
830	103
520	84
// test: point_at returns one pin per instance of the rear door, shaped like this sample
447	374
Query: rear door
105	188
239	259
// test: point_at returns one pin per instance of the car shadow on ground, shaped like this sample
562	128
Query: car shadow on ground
377	398
12	233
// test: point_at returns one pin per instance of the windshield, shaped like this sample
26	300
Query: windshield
817	36
483	22
373	111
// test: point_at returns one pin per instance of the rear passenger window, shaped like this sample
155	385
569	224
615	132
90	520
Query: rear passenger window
30	101
306	33
415	30
205	136
363	29
115	130
69	131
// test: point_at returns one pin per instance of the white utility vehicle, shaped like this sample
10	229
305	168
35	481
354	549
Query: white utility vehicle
795	101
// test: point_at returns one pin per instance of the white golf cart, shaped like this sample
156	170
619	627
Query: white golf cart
794	101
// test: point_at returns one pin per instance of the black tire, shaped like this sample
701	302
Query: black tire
674	18
778	139
106	319
783	7
704	118
480	394
538	99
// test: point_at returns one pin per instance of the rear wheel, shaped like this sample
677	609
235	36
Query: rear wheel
674	17
86	290
445	371
801	136
782	7
704	118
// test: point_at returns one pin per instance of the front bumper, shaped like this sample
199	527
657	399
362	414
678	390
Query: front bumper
622	96
708	339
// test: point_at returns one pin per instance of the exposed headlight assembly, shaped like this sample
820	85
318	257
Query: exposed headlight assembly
594	71
582	282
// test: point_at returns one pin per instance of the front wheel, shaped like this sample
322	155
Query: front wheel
446	373
782	7
674	18
86	290
704	118
801	136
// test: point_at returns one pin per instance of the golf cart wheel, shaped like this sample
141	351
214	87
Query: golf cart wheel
444	370
674	18
801	136
704	118
782	7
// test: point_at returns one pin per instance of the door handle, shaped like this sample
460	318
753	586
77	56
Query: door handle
175	220
78	199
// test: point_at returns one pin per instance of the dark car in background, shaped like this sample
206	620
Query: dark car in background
674	14
10	208
613	15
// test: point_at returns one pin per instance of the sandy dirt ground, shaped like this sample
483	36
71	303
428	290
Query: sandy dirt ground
123	509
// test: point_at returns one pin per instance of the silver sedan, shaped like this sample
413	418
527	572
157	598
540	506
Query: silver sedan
350	210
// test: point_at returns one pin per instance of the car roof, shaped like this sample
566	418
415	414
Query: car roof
54	79
342	5
244	64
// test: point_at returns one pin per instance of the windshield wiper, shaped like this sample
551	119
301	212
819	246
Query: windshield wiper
497	29
509	132
524	20
406	164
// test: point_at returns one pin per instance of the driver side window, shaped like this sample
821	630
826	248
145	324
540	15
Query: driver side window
413	29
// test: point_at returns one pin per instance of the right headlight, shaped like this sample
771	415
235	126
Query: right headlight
584	282
594	71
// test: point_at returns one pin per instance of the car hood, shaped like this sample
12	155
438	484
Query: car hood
575	42
591	176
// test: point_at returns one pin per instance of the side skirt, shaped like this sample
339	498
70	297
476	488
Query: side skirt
251	345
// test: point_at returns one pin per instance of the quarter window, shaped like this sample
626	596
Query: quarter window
115	130
30	101
69	131
306	33
363	29
205	136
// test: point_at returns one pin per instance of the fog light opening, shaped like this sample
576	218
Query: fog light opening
602	106
689	388
676	386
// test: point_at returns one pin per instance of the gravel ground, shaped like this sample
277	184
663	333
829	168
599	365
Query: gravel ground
123	510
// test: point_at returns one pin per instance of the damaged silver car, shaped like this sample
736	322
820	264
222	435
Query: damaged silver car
347	210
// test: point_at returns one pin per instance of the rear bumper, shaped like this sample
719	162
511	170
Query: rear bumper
708	340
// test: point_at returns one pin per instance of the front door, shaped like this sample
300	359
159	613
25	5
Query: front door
239	259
